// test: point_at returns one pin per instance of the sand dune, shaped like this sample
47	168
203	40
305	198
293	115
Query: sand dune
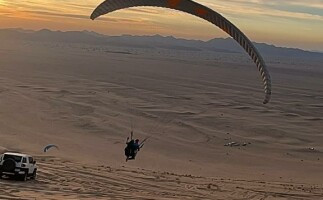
61	179
87	102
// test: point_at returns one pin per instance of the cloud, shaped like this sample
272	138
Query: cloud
272	8
292	9
108	19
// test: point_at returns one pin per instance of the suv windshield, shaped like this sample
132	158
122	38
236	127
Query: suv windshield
15	158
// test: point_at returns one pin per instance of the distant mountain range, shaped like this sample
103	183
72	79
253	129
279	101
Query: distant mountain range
156	41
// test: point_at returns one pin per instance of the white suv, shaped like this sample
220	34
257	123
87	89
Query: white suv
18	165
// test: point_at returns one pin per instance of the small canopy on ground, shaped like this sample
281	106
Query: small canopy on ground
46	148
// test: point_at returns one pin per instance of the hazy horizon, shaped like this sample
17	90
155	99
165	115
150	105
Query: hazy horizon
289	23
174	36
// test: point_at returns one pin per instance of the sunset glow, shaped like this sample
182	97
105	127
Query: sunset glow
292	23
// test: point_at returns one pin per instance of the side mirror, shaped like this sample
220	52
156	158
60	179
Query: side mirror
34	162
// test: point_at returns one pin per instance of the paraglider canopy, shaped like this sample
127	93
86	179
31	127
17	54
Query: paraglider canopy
196	9
46	148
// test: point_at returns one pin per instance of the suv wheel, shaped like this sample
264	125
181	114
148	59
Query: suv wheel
23	177
33	177
9	165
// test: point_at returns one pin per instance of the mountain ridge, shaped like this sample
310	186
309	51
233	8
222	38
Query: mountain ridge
227	45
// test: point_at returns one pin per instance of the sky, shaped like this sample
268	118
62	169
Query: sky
288	23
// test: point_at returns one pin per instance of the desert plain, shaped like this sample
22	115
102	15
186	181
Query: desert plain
87	98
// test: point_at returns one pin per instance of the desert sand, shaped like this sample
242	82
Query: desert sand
86	100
